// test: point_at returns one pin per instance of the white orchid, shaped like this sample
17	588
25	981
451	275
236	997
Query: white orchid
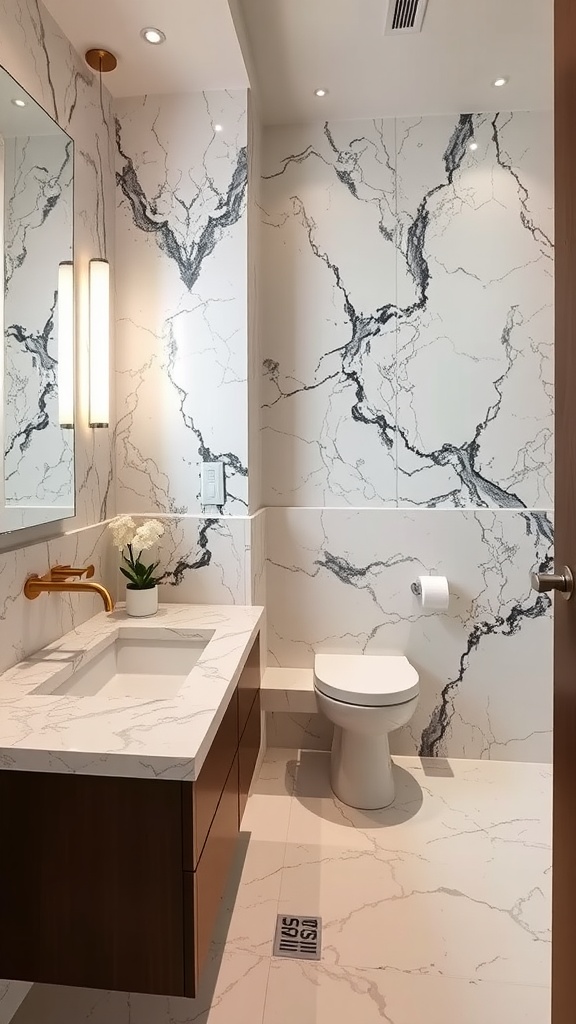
122	529
136	539
147	535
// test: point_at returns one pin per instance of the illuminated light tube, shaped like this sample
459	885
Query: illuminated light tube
66	344
99	415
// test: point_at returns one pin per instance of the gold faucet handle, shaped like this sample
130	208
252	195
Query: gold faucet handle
65	572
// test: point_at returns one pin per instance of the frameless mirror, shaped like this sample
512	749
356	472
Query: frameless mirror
36	363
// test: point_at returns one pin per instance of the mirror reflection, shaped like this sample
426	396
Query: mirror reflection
36	226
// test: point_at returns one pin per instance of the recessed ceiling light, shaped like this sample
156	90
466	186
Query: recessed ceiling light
498	82
320	92
19	103
217	127
473	146
153	35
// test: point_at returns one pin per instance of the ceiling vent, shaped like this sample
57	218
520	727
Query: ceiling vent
405	16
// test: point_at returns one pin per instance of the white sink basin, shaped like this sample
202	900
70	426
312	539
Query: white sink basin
153	669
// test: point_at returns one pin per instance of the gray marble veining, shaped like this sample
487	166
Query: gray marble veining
408	312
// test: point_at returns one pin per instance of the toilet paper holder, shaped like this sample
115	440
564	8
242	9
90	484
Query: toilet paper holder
432	592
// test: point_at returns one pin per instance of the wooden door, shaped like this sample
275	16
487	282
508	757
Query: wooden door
564	837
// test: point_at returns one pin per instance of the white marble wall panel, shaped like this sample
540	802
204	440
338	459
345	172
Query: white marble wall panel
255	482
408	312
258	558
297	729
181	301
339	581
329	262
26	626
202	560
475	291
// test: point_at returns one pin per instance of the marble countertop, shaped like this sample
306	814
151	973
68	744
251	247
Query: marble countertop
125	736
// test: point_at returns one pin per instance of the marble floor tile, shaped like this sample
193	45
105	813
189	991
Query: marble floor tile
382	909
250	903
326	994
268	809
232	990
12	993
465	850
436	799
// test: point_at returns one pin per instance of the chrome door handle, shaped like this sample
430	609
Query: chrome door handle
562	581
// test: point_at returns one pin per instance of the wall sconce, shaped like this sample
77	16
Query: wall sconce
66	344
99	279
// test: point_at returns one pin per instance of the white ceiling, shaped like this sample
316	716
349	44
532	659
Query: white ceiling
201	51
300	45
296	46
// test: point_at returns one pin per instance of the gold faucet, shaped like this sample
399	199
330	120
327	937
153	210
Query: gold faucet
58	580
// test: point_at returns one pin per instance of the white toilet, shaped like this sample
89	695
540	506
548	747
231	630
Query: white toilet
366	697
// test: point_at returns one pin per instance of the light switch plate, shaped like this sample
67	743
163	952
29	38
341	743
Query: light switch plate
212	483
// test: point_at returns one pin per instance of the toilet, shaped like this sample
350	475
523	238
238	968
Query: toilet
366	697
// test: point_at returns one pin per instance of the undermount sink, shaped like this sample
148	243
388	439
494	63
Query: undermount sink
153	669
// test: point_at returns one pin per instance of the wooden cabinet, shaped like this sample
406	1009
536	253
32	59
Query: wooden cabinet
248	753
209	879
116	883
200	798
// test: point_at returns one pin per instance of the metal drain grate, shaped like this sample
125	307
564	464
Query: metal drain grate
298	937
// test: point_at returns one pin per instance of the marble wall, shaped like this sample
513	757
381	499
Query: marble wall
35	52
407	309
407	412
182	332
339	580
181	300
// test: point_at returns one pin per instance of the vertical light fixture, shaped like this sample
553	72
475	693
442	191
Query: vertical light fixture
99	281
100	60
66	344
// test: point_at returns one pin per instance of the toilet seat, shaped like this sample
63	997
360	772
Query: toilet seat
366	680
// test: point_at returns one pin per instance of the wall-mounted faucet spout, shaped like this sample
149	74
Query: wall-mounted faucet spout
57	580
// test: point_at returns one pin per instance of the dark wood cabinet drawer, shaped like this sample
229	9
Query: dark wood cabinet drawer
92	888
248	685
206	885
200	798
248	754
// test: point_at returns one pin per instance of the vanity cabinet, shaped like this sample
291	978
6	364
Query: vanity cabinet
116	883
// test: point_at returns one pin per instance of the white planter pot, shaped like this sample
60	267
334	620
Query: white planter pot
142	602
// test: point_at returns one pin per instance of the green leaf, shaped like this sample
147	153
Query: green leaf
129	575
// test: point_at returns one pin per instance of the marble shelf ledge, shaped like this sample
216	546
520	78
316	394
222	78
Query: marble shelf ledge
289	689
125	736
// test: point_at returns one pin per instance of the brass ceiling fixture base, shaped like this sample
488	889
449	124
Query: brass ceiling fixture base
100	60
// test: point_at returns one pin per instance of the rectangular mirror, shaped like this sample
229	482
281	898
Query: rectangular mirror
37	307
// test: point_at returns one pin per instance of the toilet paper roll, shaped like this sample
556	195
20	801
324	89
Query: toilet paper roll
434	593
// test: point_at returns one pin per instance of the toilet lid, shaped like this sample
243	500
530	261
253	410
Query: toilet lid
368	680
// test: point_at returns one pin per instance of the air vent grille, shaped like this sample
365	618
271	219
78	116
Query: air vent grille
405	16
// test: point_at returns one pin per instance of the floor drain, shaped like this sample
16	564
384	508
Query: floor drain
298	937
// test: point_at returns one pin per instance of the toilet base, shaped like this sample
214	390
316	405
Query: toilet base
361	769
